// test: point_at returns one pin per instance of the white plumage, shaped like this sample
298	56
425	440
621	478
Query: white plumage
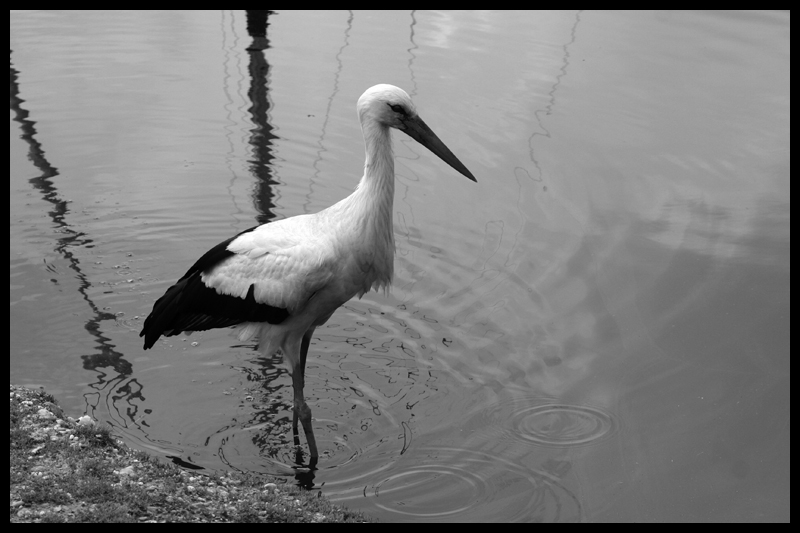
281	280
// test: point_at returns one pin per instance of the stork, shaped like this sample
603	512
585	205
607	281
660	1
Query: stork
280	280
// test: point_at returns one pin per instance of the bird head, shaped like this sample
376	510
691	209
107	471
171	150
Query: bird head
390	106
385	104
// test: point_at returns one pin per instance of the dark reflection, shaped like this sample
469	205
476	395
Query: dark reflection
270	437
305	479
120	393
184	464
541	128
261	166
261	137
69	239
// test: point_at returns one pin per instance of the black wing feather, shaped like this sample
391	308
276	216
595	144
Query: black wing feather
191	306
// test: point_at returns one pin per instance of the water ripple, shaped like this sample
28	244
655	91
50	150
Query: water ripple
455	484
553	424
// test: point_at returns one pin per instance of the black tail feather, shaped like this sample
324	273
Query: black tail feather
191	306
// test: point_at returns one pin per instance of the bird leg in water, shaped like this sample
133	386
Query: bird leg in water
301	409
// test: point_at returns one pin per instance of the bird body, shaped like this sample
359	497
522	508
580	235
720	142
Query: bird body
280	280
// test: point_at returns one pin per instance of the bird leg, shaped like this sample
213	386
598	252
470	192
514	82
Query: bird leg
301	409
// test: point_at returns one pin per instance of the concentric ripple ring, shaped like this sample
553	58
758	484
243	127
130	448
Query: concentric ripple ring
553	424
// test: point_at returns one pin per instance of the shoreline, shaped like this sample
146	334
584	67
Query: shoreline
64	469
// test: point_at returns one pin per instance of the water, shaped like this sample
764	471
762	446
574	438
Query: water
598	330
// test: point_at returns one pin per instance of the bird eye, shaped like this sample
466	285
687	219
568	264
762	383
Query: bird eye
397	109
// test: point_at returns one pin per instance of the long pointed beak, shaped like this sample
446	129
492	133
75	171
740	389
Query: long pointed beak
416	128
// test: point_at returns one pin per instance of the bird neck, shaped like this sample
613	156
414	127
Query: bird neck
378	178
376	188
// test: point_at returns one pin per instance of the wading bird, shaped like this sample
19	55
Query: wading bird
280	280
